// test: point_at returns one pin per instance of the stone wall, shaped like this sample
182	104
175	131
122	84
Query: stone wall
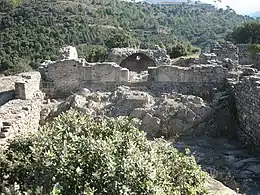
225	50
62	76
27	85
159	56
195	73
67	76
104	72
247	96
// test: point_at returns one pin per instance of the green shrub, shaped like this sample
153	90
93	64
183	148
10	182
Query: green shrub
253	49
179	49
78	154
93	53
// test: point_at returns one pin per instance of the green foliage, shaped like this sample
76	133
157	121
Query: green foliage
181	49
77	154
121	40
247	33
35	30
93	53
15	3
254	49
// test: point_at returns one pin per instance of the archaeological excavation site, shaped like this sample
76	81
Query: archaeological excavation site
209	104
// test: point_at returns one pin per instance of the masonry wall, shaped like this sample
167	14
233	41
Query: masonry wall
225	50
27	85
104	72
63	76
195	73
247	96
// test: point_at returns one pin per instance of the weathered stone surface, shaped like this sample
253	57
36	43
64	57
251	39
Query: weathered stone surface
159	56
14	120
208	58
7	89
28	85
138	113
247	96
151	125
126	100
192	74
215	187
226	160
68	53
225	50
184	62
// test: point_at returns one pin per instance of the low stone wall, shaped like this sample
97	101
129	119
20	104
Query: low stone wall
247	96
27	85
195	73
104	72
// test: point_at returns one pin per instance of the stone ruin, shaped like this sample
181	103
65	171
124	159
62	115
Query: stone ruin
201	77
187	96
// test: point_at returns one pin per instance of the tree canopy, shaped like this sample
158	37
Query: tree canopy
34	31
248	33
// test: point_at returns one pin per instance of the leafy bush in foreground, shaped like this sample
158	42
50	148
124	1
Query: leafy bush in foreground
77	154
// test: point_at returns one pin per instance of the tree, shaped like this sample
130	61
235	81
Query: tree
247	33
78	154
121	40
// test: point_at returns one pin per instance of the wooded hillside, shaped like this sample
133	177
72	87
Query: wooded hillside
33	31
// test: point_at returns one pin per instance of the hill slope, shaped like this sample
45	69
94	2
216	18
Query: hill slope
35	30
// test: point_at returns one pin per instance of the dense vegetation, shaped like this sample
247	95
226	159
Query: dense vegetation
77	154
248	33
33	31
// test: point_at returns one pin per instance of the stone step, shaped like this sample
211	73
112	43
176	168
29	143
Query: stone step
5	129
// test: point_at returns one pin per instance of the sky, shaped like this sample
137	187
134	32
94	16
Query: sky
240	6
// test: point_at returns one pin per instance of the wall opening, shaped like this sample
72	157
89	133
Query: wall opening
137	62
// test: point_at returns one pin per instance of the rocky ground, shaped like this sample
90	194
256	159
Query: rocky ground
226	160
169	115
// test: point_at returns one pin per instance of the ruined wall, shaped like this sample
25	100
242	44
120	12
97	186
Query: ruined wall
104	72
195	73
247	96
62	76
225	50
27	85
159	56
